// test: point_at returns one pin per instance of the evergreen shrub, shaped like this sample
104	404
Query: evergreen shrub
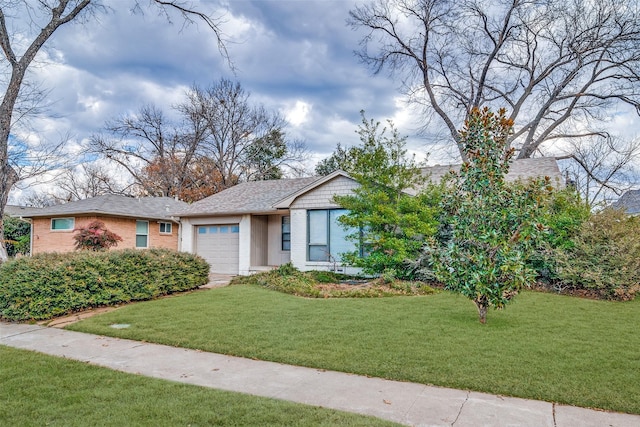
53	284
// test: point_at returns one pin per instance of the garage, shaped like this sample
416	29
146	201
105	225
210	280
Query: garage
219	245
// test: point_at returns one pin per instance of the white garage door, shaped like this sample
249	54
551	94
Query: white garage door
219	245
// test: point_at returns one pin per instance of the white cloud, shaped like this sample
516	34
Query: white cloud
298	113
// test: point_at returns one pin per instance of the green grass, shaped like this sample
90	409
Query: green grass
543	346
40	390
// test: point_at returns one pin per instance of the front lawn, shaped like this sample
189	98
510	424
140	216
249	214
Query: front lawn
543	346
39	390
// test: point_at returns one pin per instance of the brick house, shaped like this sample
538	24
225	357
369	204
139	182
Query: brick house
257	225
141	222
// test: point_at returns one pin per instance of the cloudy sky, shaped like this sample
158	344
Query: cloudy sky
293	56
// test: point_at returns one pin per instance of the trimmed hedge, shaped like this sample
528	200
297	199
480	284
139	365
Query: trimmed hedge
55	284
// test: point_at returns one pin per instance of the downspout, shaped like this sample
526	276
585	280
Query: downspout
177	221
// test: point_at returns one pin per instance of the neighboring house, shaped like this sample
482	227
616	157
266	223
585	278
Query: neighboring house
257	225
141	222
629	202
16	211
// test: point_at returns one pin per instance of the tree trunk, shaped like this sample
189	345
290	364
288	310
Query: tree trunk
483	305
9	178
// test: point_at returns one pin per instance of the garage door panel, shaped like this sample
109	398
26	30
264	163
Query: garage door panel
219	244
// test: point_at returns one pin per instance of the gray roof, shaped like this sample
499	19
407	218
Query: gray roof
16	211
247	197
112	205
522	170
262	196
629	201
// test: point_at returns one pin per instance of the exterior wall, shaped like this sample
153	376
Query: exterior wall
244	265
259	240
276	255
318	198
46	240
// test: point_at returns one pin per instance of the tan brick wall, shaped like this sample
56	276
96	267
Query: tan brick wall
47	240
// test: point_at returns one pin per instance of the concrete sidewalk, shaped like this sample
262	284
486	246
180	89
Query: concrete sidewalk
406	403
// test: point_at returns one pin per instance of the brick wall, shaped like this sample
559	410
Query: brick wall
47	240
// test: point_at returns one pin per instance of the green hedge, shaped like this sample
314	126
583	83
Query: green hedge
54	284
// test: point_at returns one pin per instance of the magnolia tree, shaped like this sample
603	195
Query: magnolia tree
493	226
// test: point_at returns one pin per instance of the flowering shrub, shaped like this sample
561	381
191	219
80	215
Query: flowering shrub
95	237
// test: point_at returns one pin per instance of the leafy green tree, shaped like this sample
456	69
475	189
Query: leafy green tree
17	236
564	216
390	209
340	159
494	226
95	237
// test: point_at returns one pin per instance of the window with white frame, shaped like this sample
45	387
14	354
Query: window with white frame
165	228
327	238
142	234
62	224
286	233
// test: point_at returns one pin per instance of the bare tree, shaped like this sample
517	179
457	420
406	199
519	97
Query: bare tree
20	49
244	140
85	181
602	168
147	146
221	139
553	63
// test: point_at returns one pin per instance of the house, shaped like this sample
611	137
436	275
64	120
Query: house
629	202
141	222
15	210
257	225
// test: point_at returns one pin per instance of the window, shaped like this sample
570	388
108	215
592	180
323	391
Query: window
142	234
165	227
62	223
286	233
327	238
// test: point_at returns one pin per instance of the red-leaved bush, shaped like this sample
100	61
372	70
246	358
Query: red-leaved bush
95	237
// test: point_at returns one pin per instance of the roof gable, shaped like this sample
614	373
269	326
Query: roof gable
629	201
247	197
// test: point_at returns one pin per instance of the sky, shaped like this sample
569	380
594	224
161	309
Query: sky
295	57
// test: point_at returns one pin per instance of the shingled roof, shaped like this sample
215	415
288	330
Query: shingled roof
266	196
247	197
520	170
16	211
629	201
112	205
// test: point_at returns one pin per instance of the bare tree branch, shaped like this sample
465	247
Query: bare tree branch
554	63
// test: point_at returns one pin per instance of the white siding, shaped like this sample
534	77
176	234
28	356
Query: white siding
299	238
321	197
245	245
